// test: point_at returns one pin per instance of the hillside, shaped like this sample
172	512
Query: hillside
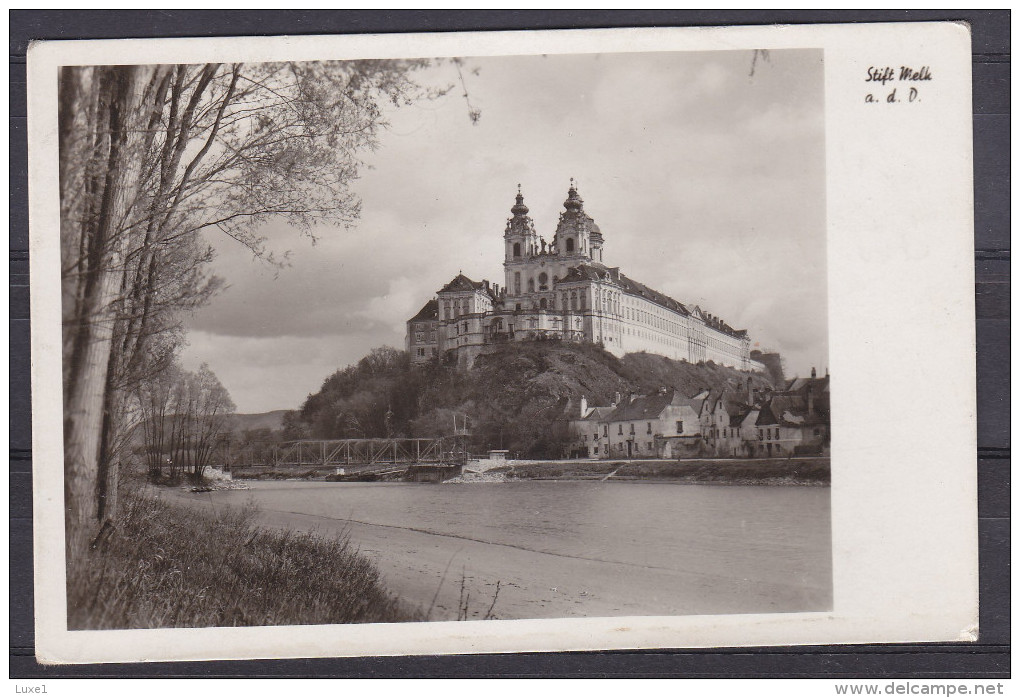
263	420
515	396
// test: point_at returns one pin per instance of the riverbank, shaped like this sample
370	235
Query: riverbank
219	566
771	471
803	471
543	549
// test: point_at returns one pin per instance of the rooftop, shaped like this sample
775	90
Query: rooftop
429	311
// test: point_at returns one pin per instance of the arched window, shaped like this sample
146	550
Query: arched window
570	244
573	300
531	285
543	282
580	300
517	249
517	283
543	304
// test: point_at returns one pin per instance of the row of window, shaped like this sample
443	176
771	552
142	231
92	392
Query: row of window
648	429
461	306
620	447
608	300
419	337
725	432
763	435
573	300
658	320
569	244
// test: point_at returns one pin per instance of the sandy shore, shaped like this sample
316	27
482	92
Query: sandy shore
429	568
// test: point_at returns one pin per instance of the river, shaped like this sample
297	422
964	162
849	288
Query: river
573	548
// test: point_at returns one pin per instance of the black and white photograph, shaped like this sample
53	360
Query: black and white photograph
467	337
374	330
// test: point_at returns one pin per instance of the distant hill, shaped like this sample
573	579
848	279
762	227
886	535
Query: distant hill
263	420
515	396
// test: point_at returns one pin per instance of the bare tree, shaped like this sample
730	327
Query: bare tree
208	420
156	403
184	417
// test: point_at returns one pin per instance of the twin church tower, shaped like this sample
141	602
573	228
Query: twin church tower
563	290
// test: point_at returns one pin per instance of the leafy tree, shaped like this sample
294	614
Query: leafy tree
150	157
293	428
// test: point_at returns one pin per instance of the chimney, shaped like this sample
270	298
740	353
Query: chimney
750	392
616	400
814	374
584	406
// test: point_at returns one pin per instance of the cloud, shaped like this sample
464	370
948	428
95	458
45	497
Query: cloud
708	183
392	309
271	373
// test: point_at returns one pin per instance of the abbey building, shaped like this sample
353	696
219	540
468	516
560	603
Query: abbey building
564	290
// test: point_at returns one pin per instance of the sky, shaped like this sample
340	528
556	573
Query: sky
708	183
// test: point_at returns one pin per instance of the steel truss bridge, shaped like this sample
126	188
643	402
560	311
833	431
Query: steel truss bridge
353	453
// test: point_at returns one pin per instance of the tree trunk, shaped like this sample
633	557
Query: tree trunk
109	457
99	276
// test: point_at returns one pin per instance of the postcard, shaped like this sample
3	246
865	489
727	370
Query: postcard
502	341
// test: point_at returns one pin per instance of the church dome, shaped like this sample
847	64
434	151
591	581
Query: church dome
520	223
519	209
574	202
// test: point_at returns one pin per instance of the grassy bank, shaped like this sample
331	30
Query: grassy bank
772	471
170	566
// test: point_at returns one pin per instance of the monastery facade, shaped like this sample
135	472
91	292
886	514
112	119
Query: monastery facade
564	290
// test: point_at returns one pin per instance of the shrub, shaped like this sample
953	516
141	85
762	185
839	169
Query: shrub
171	566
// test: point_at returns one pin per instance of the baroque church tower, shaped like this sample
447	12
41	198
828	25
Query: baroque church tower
521	242
578	237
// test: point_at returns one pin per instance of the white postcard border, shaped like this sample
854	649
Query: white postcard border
901	314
